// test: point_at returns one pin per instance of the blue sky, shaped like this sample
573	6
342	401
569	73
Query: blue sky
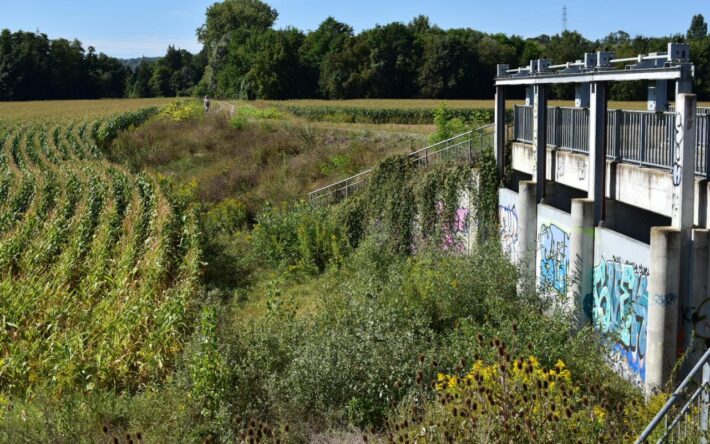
131	28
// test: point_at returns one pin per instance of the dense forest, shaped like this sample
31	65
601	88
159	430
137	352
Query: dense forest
243	56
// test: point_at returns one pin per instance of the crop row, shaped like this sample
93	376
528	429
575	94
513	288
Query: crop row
350	114
98	267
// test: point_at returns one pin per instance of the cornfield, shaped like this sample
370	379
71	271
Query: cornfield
99	267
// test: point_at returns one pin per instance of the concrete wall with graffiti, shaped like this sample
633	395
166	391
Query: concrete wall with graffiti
508	223
553	255
461	235
618	306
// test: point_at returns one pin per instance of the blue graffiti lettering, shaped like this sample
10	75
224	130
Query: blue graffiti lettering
554	257
620	308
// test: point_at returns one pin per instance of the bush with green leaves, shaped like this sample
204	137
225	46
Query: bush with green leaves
300	236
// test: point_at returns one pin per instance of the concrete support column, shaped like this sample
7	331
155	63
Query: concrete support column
597	147
527	225
684	162
700	274
663	288
581	250
581	95
499	118
540	138
683	174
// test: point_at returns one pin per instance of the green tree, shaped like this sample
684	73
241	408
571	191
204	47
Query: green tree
141	85
268	66
698	28
330	37
230	15
450	66
393	61
341	73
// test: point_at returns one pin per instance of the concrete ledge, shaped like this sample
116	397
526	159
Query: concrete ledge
643	187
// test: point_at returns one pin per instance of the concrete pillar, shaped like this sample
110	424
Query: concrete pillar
529	96
597	147
581	250
527	226
699	272
684	85
581	95
683	173
663	288
499	118
684	162
540	138
657	96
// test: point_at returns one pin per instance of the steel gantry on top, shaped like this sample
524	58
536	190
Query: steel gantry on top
591	76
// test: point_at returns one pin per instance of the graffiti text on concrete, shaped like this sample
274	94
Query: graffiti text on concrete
554	257
508	217
620	309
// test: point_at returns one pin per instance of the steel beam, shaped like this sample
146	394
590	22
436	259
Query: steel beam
540	139
611	75
499	141
597	147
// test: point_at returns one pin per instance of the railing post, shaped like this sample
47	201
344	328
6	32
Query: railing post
540	139
642	137
558	127
597	148
618	120
705	402
499	118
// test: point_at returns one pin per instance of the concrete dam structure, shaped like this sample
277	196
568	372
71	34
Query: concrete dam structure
608	208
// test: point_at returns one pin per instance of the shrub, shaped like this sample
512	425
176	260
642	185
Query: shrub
181	110
300	236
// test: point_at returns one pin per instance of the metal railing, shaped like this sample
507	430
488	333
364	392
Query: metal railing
566	127
641	137
686	409
466	147
702	161
702	111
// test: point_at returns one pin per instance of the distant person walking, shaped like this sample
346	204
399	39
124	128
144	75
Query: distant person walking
207	104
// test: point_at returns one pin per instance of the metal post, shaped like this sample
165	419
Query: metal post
705	402
499	117
540	139
618	119
643	122
558	127
683	171
597	148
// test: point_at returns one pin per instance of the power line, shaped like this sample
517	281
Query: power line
564	17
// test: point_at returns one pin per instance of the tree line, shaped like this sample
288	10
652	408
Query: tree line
243	56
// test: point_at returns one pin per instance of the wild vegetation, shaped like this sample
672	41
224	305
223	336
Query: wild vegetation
155	303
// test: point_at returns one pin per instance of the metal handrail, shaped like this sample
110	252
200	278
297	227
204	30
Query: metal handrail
422	153
633	136
674	398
